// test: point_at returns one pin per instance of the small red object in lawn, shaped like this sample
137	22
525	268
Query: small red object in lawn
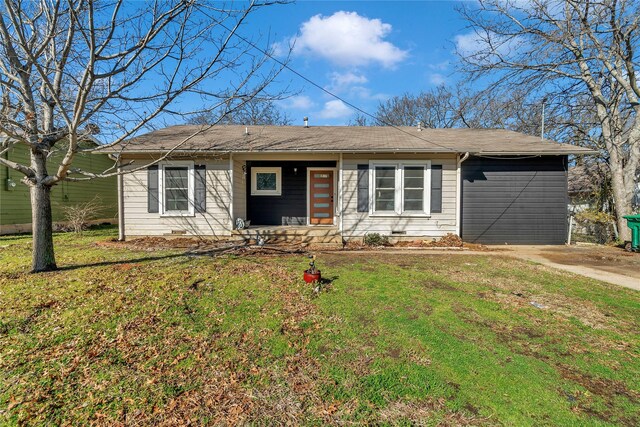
312	274
312	277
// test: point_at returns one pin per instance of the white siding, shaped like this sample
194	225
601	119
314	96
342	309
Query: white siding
215	222
218	219
356	224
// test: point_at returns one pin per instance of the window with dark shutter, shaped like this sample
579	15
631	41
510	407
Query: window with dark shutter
436	188
152	189
200	196
363	188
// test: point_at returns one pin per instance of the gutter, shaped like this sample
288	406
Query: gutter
369	151
459	192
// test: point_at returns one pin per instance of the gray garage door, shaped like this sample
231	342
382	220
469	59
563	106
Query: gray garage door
515	200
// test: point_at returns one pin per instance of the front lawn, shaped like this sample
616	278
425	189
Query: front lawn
156	337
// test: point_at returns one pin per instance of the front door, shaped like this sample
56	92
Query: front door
320	196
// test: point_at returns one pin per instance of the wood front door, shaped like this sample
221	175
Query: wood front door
321	196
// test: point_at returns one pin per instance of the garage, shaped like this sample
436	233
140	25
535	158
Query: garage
514	200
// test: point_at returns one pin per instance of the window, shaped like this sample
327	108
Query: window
413	188
385	188
401	188
266	181
177	189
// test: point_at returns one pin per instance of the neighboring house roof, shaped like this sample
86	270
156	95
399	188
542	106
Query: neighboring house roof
346	139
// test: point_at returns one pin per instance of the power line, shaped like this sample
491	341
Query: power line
308	80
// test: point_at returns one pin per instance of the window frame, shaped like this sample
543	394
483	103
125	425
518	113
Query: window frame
399	166
190	189
263	169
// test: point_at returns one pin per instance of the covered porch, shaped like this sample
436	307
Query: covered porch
286	193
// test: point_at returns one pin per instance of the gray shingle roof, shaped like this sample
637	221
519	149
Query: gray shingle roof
345	139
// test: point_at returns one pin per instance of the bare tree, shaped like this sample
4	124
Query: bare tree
72	69
258	111
434	109
463	107
585	52
361	120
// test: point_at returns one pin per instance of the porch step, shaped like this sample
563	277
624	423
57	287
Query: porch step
291	234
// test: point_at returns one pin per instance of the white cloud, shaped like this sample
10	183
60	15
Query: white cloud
365	93
468	44
341	80
298	102
352	84
437	79
484	45
439	66
280	48
348	40
334	110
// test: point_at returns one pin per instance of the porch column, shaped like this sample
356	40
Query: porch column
231	192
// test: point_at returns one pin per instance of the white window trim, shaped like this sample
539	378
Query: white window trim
257	170
190	193
399	190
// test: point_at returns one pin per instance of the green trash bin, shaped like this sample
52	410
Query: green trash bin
633	222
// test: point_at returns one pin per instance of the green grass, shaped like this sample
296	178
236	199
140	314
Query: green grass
123	336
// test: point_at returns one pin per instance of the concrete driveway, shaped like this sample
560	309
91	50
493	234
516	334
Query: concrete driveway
608	264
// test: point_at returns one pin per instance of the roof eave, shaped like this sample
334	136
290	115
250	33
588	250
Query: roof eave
533	153
352	151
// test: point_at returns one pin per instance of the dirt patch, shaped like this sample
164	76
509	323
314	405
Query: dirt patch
417	413
203	247
155	243
611	259
599	386
522	340
605	388
393	353
448	241
585	311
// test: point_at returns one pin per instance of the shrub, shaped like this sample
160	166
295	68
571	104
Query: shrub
78	216
375	239
594	226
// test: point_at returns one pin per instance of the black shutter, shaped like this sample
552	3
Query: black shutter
363	188
200	198
436	188
152	189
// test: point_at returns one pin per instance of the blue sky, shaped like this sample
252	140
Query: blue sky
365	51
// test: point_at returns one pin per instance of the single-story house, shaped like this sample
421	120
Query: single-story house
15	201
486	185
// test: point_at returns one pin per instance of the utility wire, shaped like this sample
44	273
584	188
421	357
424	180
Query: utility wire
311	82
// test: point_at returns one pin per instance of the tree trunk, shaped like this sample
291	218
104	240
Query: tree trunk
622	200
42	225
43	258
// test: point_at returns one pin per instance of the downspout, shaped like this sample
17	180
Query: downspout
459	191
6	156
340	194
231	193
121	235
